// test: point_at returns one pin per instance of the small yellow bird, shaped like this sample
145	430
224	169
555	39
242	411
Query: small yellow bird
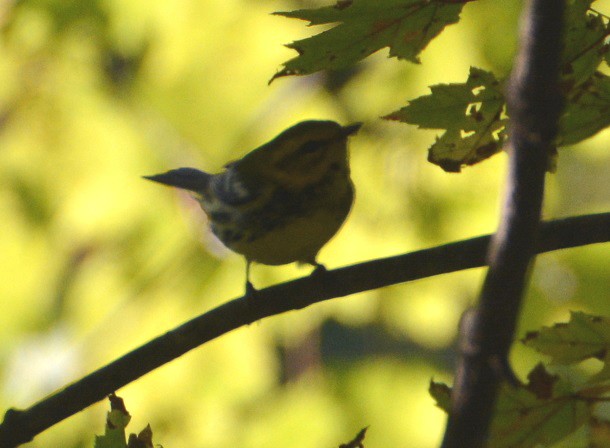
281	202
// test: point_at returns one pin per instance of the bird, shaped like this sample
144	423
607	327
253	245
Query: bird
281	202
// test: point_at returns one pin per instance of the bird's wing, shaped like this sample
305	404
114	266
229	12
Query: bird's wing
233	188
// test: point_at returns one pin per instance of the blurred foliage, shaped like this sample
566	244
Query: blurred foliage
94	261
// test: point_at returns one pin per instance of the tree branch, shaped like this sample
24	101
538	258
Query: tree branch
534	105
21	426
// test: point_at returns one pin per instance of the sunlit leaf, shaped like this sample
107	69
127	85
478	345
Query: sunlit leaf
364	27
583	337
116	421
471	113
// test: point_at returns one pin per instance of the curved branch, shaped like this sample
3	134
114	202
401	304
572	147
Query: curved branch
21	426
534	104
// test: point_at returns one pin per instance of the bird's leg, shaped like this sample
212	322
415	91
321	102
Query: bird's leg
250	289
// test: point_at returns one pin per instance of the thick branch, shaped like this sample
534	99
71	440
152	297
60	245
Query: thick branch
20	426
534	105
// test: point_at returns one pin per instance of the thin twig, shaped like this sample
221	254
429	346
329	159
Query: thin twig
21	426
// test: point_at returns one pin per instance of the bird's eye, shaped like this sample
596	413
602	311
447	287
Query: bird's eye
311	147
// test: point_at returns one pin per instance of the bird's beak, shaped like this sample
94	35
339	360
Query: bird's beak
186	178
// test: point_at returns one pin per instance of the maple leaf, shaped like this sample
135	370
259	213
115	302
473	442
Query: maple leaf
470	112
583	337
364	27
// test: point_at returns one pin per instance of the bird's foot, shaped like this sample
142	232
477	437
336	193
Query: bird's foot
251	291
319	269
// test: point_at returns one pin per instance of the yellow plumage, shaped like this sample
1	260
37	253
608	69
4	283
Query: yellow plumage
281	202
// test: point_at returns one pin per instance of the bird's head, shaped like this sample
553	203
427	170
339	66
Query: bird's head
302	154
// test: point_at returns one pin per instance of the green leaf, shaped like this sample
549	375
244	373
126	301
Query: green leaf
142	440
583	337
585	45
471	113
541	413
114	434
588	91
116	421
441	394
364	27
587	111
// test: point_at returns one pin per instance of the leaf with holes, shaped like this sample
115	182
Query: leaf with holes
472	114
364	27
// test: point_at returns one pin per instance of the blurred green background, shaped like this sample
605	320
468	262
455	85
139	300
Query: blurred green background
95	261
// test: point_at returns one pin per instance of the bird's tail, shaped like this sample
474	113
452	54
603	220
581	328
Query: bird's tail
186	178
